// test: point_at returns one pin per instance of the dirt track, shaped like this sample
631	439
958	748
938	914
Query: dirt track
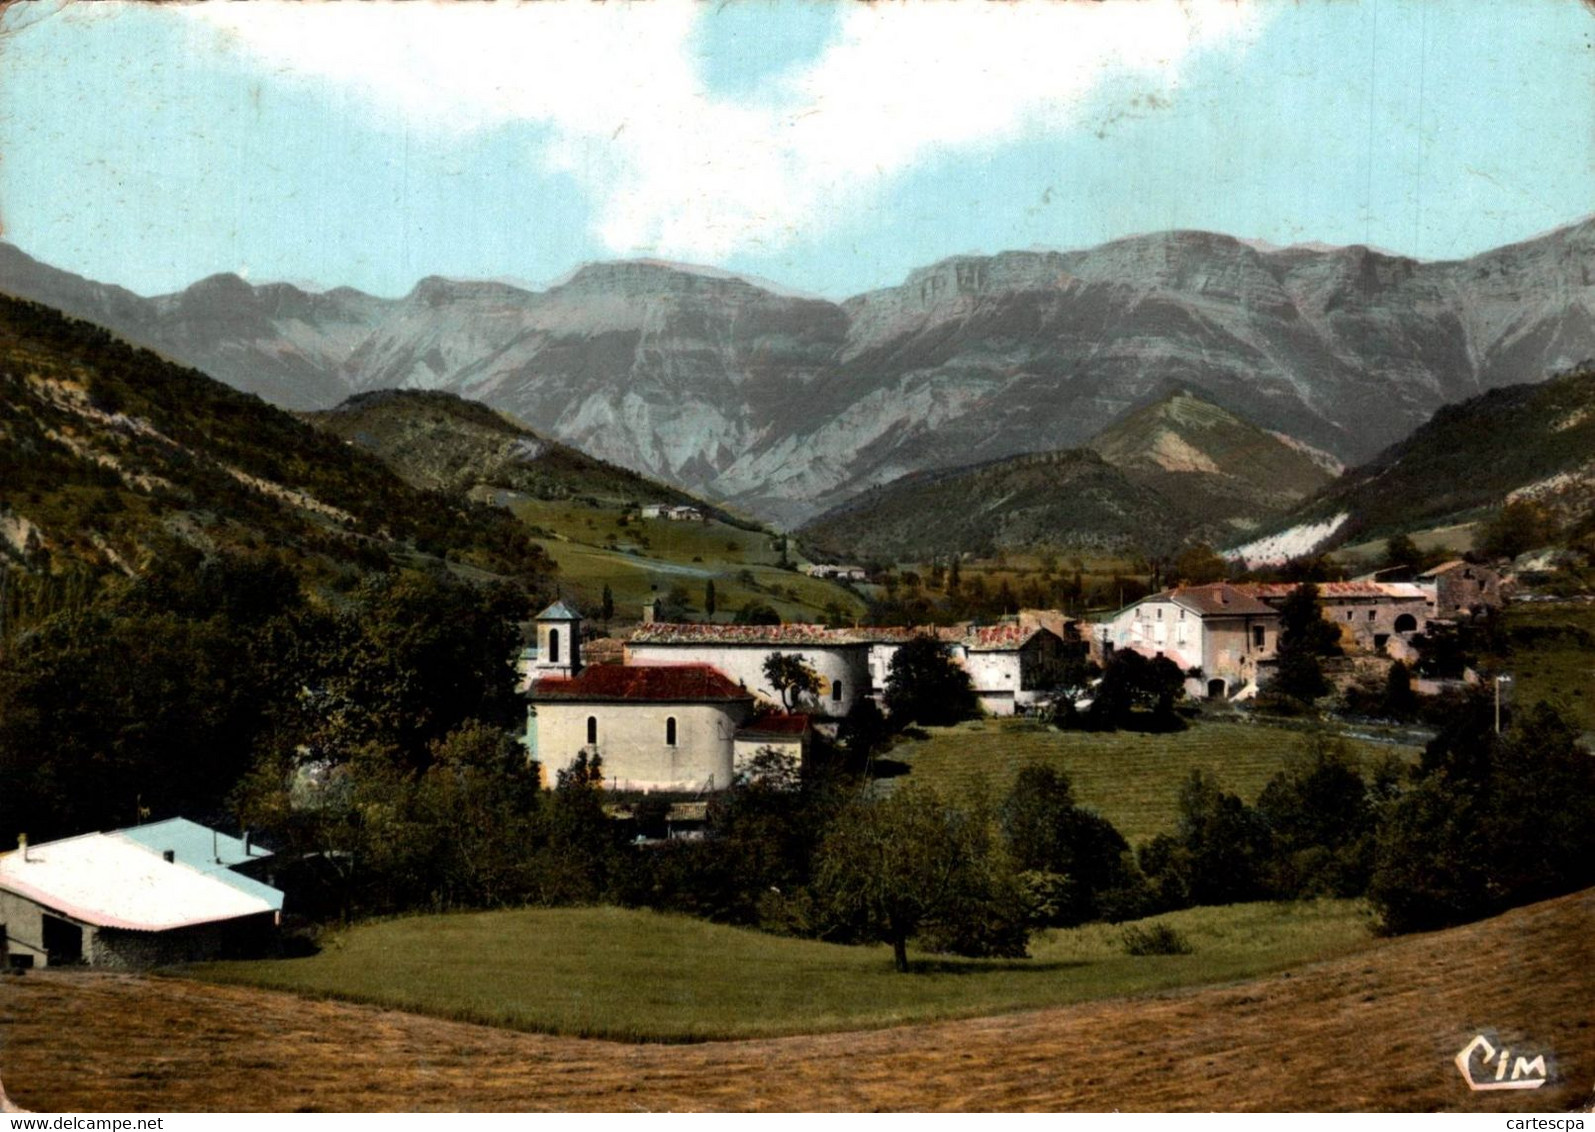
1376	1031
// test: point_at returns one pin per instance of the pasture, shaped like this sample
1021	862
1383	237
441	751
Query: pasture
642	559
645	976
1131	779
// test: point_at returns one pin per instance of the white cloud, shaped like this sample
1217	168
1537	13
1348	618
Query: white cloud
675	169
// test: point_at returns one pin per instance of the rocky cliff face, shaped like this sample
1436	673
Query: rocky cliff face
787	406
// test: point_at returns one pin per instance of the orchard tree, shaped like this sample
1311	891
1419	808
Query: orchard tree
910	865
791	676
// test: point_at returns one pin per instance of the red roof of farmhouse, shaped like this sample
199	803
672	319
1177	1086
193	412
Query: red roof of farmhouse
662	683
775	723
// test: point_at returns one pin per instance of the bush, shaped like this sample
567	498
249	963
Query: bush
1154	939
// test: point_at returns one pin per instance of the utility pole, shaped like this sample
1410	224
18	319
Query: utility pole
1499	680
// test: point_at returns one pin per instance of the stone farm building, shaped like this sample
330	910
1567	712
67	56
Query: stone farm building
1369	614
169	892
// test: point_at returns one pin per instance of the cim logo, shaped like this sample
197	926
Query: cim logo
1485	1068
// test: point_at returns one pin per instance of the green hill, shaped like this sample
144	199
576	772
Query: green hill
111	456
442	442
1178	469
1217	468
1533	442
1072	500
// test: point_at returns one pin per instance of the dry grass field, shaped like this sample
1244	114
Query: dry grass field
1372	1031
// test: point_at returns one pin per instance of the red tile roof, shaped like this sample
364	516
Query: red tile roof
775	723
662	683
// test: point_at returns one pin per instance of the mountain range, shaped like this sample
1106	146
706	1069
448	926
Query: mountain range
786	406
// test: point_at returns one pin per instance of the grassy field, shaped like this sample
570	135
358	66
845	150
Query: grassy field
642	559
1133	780
1458	539
632	975
1553	664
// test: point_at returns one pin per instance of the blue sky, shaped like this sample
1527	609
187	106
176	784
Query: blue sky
829	147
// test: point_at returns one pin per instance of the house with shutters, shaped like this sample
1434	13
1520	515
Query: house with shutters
1229	635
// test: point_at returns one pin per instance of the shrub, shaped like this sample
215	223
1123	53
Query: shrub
1154	939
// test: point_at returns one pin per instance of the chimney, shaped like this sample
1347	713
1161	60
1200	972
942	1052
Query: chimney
246	843
22	845
647	613
169	856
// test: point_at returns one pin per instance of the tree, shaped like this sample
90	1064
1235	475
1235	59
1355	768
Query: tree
1489	822
1137	692
1400	701
792	677
1081	863
923	685
1516	529
606	607
1320	817
1199	564
895	867
757	613
1400	550
708	597
1305	638
953	579
1217	854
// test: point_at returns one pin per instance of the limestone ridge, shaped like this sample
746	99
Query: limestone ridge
787	405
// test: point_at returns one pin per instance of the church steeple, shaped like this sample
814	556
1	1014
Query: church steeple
558	642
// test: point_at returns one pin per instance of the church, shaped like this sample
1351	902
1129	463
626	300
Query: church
657	727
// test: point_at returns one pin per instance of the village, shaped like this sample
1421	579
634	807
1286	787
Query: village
684	709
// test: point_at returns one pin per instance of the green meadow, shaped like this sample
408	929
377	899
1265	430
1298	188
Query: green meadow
645	976
1131	779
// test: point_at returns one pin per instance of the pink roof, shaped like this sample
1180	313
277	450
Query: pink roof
661	683
673	633
111	882
1332	591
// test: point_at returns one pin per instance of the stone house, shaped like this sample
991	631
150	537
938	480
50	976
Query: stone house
1229	635
116	900
1370	615
1011	665
1460	589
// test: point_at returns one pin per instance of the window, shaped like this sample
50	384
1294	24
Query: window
670	731
1370	615
553	646
592	730
1257	636
836	691
1348	615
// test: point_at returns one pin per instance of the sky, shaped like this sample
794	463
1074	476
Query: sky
831	147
